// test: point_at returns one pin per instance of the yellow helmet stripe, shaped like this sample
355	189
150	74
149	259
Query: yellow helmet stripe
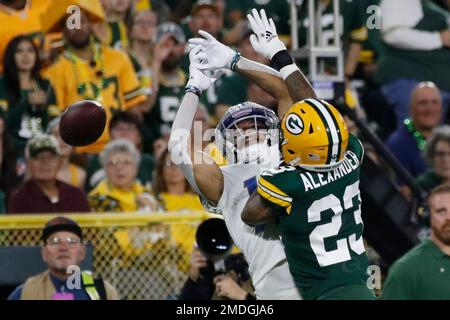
339	131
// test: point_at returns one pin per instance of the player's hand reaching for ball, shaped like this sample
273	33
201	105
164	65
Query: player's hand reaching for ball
217	55
198	79
265	40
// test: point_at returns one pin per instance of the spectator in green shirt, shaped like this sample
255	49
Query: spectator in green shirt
236	11
438	154
353	33
27	99
424	272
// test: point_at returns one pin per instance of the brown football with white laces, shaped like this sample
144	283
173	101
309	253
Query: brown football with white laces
82	123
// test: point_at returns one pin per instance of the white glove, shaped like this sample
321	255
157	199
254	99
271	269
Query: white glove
265	41
216	54
197	79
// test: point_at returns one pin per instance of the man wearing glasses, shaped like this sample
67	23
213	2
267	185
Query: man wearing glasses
63	248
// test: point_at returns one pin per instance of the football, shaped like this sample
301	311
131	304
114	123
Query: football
82	123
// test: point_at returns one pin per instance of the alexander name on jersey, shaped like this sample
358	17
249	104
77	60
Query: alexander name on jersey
319	179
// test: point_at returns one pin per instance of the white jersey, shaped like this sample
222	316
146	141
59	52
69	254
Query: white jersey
261	246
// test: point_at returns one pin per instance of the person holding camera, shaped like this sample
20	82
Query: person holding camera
215	273
204	283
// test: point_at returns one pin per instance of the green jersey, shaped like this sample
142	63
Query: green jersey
23	120
118	38
352	24
420	65
320	222
278	10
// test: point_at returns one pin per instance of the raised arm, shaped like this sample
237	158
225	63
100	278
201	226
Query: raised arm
256	212
268	79
265	41
203	174
219	56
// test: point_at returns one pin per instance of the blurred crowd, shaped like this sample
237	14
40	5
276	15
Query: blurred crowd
131	56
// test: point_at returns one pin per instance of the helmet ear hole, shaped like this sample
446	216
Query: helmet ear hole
311	128
290	151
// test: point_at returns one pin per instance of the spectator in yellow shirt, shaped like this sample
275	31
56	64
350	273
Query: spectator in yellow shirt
120	191
171	187
89	70
20	17
174	194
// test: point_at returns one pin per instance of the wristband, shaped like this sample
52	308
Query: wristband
288	70
281	59
194	90
235	60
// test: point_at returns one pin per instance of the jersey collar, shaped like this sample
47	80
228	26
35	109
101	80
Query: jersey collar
434	249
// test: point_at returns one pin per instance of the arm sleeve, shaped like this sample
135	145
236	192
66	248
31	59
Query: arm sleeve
398	30
179	138
355	145
405	38
276	198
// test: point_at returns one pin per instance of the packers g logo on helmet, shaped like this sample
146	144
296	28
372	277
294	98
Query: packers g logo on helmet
294	124
314	135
